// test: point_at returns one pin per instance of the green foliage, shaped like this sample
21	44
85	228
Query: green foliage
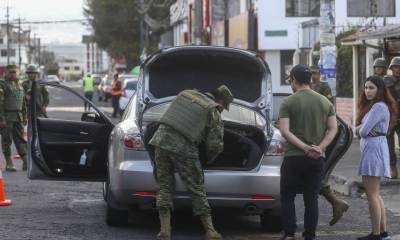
116	27
344	66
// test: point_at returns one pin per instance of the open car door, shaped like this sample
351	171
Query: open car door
66	142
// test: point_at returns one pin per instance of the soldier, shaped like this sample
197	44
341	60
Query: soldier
42	98
12	117
191	119
319	86
379	67
393	83
339	206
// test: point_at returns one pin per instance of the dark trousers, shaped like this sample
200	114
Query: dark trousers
300	174
391	141
115	105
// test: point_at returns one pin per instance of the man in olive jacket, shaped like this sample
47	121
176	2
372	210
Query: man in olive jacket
191	119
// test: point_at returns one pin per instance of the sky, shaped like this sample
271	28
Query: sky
48	10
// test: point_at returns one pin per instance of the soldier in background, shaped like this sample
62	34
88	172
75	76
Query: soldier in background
13	117
339	206
191	119
319	86
42	98
392	82
379	67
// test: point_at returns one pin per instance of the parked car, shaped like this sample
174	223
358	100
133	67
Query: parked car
128	89
52	78
104	88
120	157
96	79
125	76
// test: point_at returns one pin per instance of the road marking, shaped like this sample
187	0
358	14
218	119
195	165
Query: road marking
73	202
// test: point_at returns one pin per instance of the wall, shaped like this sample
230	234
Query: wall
344	109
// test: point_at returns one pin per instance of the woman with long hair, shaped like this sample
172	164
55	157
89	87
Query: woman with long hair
377	113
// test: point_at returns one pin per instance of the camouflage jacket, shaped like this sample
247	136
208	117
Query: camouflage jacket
169	139
394	87
324	89
7	88
42	99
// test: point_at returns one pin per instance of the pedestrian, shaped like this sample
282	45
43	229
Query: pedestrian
339	206
42	96
88	89
392	82
191	119
13	117
307	121
377	112
380	67
116	93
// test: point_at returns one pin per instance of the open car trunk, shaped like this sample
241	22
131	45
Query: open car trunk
244	146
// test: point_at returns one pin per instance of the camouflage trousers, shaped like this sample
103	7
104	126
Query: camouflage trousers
391	143
190	171
13	131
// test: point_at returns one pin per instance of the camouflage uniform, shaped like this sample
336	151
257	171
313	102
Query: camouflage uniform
42	98
191	119
14	117
394	87
324	89
174	151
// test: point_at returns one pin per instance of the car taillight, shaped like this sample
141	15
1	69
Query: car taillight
134	142
276	148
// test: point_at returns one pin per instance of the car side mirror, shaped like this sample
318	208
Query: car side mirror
90	117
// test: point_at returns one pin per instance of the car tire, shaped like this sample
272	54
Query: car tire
116	218
271	223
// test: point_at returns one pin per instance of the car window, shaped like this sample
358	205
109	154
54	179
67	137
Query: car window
236	113
130	111
131	85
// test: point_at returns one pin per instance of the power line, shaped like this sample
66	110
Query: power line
53	21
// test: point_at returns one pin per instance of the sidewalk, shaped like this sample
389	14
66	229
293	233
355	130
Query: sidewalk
344	178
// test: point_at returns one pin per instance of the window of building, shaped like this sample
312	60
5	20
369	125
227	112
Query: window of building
302	8
77	68
371	8
4	53
1	41
286	65
66	68
12	53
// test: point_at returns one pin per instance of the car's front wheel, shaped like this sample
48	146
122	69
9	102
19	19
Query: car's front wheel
116	218
271	223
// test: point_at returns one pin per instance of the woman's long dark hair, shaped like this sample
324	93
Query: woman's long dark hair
382	95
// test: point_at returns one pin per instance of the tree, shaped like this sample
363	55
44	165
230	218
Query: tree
117	25
48	60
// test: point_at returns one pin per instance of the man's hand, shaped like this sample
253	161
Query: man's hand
24	122
372	133
313	151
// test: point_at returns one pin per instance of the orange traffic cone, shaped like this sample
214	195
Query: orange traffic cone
3	201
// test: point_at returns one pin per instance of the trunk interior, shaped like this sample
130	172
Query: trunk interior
244	146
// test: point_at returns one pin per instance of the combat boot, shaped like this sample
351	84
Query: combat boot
211	233
338	206
393	172
24	163
165	225
10	166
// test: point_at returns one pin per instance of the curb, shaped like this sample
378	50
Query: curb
352	187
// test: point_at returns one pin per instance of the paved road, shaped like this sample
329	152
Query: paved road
75	210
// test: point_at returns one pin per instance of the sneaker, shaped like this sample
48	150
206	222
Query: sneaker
370	236
385	236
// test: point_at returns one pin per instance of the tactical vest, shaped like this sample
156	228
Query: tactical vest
188	114
14	99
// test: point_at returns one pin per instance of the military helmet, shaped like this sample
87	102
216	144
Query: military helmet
314	69
380	62
11	67
395	62
31	69
226	95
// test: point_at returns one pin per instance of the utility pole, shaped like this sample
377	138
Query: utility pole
327	36
19	43
29	45
8	35
39	51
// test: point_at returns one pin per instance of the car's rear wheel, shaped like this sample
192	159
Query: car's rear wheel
271	223
116	218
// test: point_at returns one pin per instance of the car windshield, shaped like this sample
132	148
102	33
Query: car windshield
236	113
131	85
